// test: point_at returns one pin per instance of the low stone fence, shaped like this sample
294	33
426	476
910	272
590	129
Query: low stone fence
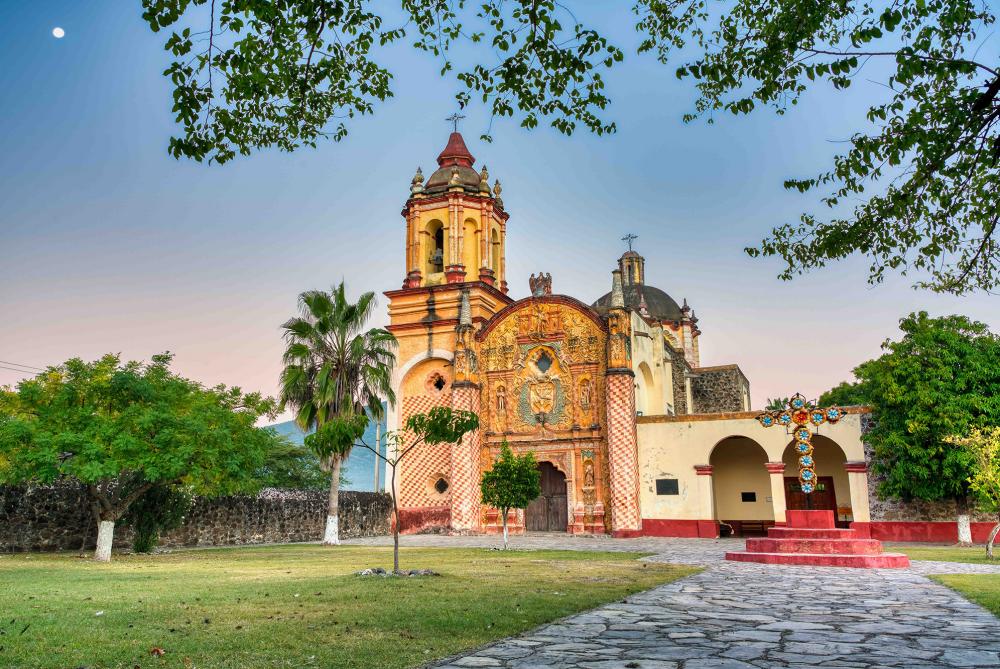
59	518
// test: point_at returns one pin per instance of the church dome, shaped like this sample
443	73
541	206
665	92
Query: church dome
659	305
647	300
455	162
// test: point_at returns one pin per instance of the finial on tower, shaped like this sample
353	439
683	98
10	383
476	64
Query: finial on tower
484	181
417	185
629	238
617	294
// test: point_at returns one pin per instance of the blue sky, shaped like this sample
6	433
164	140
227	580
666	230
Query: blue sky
109	244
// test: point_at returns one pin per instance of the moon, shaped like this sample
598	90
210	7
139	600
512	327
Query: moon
58	32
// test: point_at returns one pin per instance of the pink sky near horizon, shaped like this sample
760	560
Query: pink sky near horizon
107	244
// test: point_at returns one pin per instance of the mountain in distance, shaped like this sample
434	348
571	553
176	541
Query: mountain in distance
359	468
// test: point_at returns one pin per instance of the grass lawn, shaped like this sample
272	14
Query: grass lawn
293	606
971	554
983	589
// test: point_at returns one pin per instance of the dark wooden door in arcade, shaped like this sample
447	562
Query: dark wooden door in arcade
823	498
548	513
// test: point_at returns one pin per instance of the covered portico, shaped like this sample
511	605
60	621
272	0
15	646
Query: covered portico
701	470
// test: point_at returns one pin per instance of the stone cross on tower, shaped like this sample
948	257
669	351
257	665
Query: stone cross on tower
797	419
455	118
629	238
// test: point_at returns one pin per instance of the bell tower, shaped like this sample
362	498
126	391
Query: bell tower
455	223
454	281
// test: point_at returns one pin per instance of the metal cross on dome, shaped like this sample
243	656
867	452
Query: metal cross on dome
455	118
629	238
797	419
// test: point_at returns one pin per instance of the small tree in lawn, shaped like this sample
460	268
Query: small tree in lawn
440	425
513	483
121	429
984	447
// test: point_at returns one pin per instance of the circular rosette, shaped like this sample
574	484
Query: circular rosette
804	448
802	434
807	488
833	414
800	417
766	419
797	401
817	417
807	479
785	418
806	461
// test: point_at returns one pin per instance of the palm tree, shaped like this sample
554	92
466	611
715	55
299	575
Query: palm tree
334	368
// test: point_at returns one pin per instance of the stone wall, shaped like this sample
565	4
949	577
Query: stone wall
718	389
679	368
59	518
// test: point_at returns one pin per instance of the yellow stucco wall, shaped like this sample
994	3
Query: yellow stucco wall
738	465
670	447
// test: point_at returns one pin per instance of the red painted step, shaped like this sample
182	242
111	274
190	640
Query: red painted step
880	561
805	533
826	546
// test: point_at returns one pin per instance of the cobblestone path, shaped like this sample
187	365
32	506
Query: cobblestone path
750	616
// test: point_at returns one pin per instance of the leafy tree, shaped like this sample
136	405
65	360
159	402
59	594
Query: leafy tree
513	483
440	425
984	447
844	394
160	509
120	429
334	369
776	403
941	379
916	193
294	467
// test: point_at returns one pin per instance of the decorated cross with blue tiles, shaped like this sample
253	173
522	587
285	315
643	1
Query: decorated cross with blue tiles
799	419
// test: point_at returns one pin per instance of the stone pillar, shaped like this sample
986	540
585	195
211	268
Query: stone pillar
776	470
857	478
623	461
706	492
465	463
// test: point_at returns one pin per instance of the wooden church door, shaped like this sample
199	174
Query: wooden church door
548	513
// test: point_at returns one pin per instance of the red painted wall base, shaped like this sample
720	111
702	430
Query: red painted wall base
668	527
422	519
921	531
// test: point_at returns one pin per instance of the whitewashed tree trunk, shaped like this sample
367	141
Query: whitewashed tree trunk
505	530
964	526
331	535
105	536
964	530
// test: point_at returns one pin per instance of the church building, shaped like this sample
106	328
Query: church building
632	434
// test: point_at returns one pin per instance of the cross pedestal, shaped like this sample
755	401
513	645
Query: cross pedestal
812	538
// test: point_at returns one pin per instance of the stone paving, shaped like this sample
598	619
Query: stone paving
750	616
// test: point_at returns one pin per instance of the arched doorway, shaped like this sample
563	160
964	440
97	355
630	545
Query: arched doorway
833	492
549	512
741	486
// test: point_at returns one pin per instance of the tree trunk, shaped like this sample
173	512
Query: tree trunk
504	511
331	535
964	526
395	523
992	538
105	537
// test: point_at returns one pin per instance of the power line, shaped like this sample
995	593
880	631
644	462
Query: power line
22	371
17	364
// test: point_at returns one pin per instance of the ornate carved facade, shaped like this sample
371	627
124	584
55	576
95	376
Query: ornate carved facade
547	374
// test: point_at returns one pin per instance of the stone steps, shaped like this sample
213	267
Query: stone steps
817	545
811	538
879	561
784	532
